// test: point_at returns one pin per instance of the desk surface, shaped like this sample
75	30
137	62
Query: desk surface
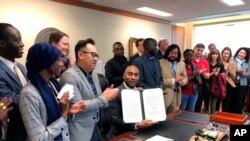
174	129
179	126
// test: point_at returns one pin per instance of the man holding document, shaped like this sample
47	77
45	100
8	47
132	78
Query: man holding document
131	78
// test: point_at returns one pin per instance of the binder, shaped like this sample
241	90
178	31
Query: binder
140	105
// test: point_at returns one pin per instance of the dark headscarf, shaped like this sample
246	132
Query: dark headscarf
42	56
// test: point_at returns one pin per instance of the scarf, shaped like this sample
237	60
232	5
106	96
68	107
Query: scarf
240	62
41	56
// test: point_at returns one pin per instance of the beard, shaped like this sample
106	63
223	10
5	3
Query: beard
171	59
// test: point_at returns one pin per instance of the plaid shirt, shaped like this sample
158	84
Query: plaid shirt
34	116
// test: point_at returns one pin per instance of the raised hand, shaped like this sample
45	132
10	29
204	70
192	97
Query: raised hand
110	93
64	104
138	88
77	107
4	109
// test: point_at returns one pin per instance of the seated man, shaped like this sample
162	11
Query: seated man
131	78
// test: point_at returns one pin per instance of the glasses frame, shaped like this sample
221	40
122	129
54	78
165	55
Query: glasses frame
93	54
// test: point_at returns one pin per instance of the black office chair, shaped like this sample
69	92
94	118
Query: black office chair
106	121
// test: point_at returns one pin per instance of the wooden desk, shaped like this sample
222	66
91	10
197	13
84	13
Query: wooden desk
179	126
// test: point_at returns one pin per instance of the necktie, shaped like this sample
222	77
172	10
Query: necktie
152	64
20	75
173	71
92	84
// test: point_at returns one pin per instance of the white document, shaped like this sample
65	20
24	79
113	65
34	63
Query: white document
99	67
159	138
152	101
154	106
66	88
131	106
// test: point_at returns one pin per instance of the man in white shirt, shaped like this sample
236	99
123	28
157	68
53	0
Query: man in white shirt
131	78
140	50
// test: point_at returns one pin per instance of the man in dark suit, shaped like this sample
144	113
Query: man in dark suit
4	111
163	45
11	80
131	77
140	50
149	66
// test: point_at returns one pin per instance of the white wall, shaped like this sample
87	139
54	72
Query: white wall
31	16
233	35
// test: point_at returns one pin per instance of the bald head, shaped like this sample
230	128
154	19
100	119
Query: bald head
211	47
131	76
163	45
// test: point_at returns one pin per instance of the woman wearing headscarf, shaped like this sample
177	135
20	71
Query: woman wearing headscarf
43	115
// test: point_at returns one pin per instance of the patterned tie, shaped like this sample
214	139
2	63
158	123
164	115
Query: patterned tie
173	71
91	82
20	75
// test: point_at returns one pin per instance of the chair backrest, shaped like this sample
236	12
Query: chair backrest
103	81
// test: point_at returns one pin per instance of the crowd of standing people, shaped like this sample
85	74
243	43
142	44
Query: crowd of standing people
31	110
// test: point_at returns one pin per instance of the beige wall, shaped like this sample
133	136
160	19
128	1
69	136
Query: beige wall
189	26
31	16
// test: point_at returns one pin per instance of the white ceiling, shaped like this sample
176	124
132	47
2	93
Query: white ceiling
182	10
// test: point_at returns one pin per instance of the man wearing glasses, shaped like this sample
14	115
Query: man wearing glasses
84	125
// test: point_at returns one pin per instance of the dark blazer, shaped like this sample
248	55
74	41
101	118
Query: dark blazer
132	58
147	78
11	86
158	54
2	132
118	126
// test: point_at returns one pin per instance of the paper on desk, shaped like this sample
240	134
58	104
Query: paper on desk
66	88
159	138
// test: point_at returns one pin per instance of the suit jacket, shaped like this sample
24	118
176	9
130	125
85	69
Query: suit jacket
132	58
148	79
11	86
35	117
118	126
244	77
82	124
167	77
2	132
158	54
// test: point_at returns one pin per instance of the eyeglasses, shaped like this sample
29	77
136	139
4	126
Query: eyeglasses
93	54
63	59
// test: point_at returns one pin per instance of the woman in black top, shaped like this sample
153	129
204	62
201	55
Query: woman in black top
216	71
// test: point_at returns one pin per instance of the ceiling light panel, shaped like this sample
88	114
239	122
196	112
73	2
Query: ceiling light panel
232	2
154	11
